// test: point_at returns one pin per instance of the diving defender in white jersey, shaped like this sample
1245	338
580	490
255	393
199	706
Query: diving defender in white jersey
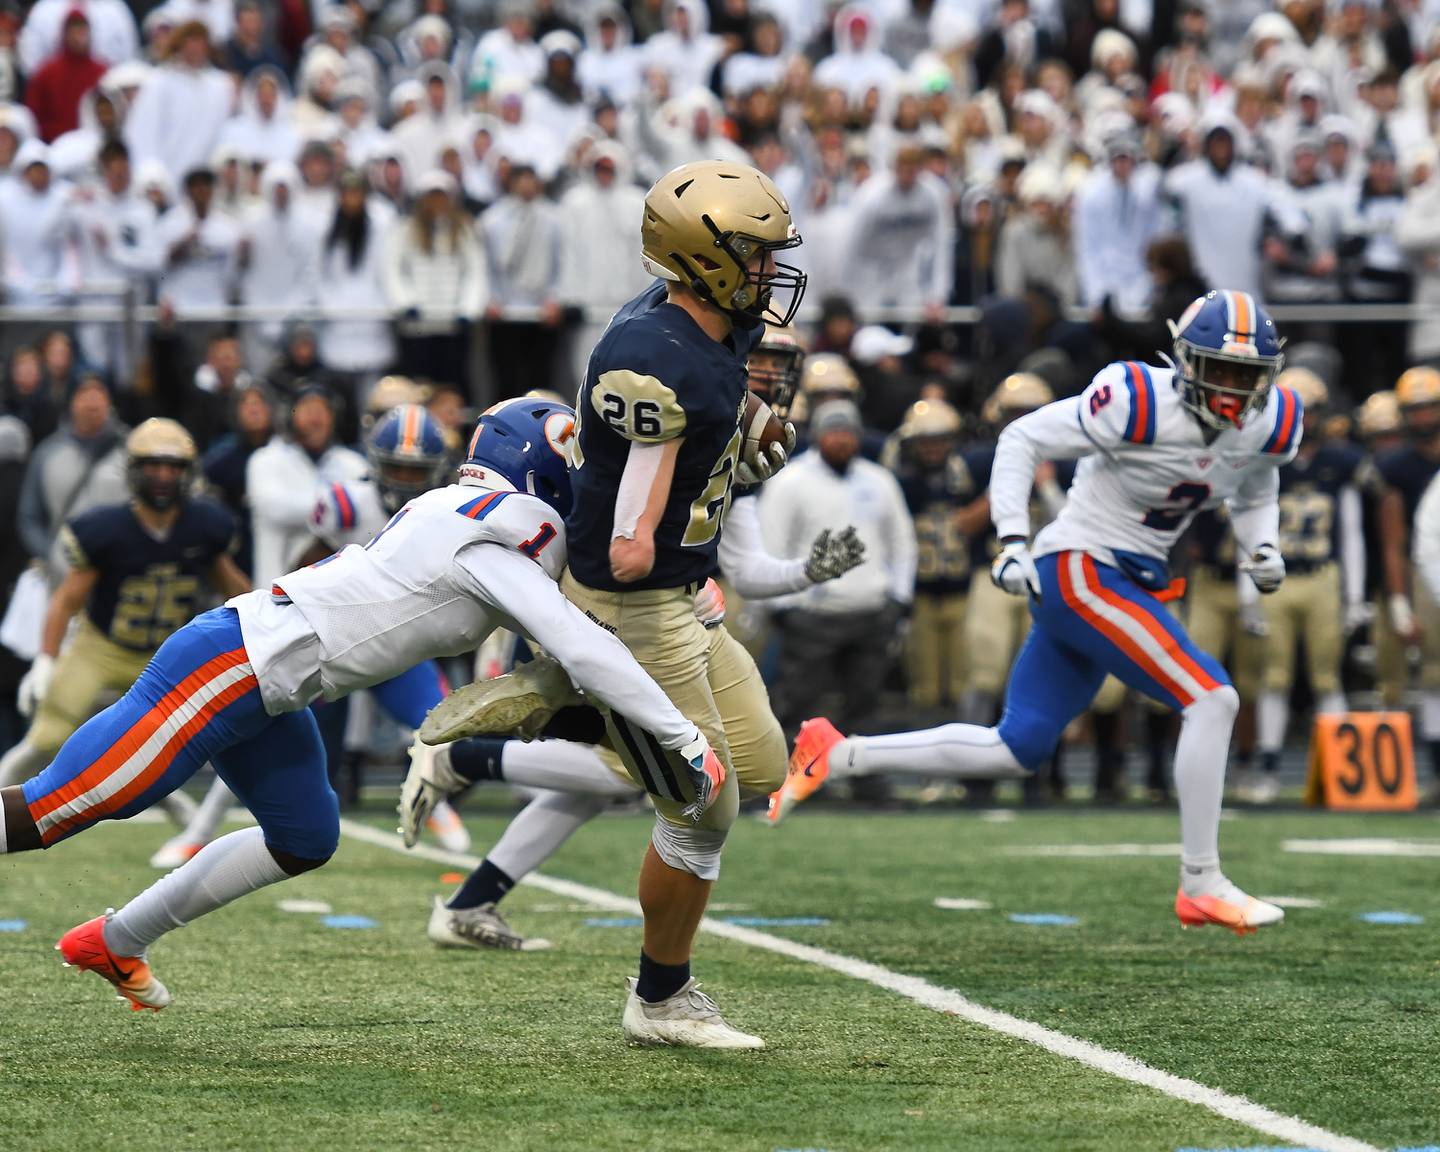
232	686
1156	445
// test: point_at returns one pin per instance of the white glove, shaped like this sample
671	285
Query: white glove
1402	617
1266	568
832	556
1014	570
1356	617
765	465
35	684
710	604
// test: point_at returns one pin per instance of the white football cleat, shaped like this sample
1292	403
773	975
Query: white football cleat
1264	788
481	928
175	852
1226	906
518	704
429	782
688	1019
445	825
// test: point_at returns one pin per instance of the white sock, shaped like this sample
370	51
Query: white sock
1272	717
209	815
562	766
954	751
540	828
20	763
217	874
1430	716
1332	704
1200	782
179	807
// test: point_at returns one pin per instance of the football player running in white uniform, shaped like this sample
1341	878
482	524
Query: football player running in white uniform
232	686
1155	446
407	454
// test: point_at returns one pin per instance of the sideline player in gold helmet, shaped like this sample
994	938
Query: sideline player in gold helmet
1412	616
657	453
136	574
946	506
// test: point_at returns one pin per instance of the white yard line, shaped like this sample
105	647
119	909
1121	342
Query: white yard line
1287	1128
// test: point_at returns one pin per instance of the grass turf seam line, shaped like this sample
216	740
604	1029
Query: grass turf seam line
1290	1129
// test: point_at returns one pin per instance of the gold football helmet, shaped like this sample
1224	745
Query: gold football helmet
1416	386
927	418
705	222
1017	394
159	441
390	392
1307	385
1379	416
774	368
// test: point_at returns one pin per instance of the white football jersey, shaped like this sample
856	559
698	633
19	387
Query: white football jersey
1146	469
450	567
347	514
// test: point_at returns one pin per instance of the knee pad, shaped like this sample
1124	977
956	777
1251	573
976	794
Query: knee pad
1223	700
693	850
1032	737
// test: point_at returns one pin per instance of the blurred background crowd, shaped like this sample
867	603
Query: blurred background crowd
272	220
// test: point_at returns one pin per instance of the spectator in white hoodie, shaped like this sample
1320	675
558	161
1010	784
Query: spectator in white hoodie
182	108
436	281
509	52
282	477
351	264
610	66
112	228
278	249
686	51
32	222
438	124
263	130
197	247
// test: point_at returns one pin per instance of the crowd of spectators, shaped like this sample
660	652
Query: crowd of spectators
451	190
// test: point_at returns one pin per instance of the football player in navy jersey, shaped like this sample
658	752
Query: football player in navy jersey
1323	541
138	571
658	453
1413	620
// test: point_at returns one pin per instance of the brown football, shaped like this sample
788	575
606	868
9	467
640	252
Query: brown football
761	428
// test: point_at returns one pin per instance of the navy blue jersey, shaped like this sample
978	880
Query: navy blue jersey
1210	542
979	459
933	495
146	588
655	376
1310	503
1409	471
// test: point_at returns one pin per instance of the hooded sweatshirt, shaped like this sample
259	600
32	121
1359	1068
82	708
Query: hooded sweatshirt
33	225
260	137
600	252
615	73
686	60
857	64
282	247
55	90
178	117
113	34
421	138
72	156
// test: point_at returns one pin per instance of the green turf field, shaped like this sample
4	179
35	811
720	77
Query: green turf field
287	1034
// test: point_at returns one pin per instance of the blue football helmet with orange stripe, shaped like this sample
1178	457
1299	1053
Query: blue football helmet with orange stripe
406	450
523	445
1227	355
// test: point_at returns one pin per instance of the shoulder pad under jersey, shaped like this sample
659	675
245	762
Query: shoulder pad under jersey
1121	405
520	521
1277	428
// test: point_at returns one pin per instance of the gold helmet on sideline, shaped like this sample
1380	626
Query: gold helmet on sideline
1313	393
1417	386
703	224
390	392
1379	415
159	441
930	418
1017	394
776	379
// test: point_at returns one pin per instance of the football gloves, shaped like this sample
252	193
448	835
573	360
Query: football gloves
710	604
35	684
832	556
1266	568
766	464
1014	570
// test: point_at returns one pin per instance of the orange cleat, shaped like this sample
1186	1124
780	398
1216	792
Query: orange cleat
809	767
1234	910
84	947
